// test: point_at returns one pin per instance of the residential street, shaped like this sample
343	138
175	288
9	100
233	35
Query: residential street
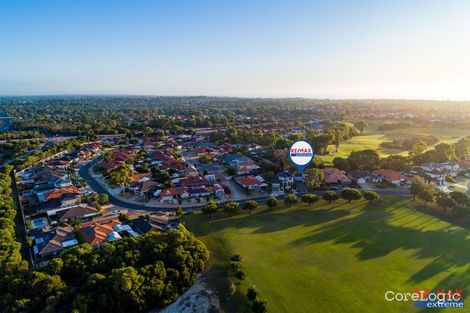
84	172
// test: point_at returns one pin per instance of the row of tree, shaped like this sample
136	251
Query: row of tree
10	256
232	207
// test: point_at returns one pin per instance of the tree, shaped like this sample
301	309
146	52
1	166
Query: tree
462	148
290	199
271	202
55	266
240	275
210	208
205	158
446	202
252	293
310	198
121	175
322	141
341	164
250	205
426	194
417	149
103	199
445	152
350	194
370	195
361	126
313	178
415	189
259	306
330	196
364	160
395	162
459	197
179	211
123	217
231	207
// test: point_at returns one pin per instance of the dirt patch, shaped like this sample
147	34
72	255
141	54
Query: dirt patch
197	299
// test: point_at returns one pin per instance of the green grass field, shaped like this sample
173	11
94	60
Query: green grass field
335	258
372	138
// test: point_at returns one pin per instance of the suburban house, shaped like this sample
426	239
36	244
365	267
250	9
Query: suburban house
62	215
142	186
65	200
191	171
158	221
193	181
117	159
285	180
159	156
362	177
174	165
97	233
334	176
392	176
48	242
169	194
251	182
57	193
449	168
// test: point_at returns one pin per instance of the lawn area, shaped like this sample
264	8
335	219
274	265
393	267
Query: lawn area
372	138
337	257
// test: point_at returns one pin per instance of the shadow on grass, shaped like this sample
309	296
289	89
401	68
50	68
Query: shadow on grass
267	221
376	230
373	236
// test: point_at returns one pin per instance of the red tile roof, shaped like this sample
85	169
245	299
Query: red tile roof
54	194
248	181
193	181
389	174
334	175
97	233
173	191
173	164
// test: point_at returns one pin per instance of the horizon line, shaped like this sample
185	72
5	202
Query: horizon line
223	96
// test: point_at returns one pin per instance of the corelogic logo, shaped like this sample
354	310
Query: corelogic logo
438	298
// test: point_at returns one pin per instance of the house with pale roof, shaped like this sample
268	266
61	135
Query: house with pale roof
362	177
158	221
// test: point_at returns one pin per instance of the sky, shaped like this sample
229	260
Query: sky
253	48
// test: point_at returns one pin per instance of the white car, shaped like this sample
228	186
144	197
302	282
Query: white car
273	195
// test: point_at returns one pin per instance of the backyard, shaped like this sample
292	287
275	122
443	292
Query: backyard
339	257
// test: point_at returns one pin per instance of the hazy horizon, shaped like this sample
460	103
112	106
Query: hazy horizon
268	49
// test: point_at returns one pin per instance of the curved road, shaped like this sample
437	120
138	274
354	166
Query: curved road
84	173
97	187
